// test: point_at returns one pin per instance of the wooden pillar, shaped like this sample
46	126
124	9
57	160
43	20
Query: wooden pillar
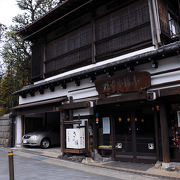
113	137
62	131
164	133
95	144
23	125
156	132
86	137
133	136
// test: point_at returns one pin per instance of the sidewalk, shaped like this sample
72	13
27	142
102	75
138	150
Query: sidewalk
115	169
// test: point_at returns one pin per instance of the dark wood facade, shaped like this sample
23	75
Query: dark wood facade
93	34
97	31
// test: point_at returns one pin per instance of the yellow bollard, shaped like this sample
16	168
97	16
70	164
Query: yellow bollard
11	165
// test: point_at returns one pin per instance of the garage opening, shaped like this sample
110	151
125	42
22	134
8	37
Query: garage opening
42	130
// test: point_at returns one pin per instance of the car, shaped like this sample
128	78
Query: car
43	138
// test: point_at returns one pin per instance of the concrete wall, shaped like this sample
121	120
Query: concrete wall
4	130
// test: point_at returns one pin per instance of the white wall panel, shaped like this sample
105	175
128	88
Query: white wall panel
18	131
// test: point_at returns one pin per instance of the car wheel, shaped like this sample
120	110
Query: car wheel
45	143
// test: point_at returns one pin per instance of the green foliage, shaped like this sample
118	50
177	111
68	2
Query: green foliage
36	8
2	30
16	52
6	88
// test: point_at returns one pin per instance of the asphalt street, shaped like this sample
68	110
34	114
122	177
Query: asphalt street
35	169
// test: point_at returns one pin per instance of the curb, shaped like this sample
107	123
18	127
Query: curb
112	172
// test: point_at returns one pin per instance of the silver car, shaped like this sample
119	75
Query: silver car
43	138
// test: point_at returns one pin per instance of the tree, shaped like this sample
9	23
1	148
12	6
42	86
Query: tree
36	8
2	30
6	89
16	52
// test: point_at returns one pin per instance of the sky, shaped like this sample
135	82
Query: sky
8	9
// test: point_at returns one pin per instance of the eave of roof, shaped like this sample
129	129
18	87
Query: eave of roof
56	13
162	52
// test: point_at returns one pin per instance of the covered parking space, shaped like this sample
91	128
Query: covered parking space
37	116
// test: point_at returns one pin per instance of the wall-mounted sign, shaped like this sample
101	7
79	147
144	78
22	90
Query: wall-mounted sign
178	118
106	125
127	82
75	138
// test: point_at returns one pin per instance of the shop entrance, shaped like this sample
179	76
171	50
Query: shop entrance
132	132
135	136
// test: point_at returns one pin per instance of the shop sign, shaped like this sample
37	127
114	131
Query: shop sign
125	83
75	138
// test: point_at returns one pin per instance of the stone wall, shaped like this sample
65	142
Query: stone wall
4	130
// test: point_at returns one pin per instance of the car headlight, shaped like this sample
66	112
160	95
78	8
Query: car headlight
34	137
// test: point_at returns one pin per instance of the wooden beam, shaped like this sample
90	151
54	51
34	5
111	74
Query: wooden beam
74	151
123	98
170	91
83	117
74	105
72	122
164	133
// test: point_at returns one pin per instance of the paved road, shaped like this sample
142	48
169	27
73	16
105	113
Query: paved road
35	169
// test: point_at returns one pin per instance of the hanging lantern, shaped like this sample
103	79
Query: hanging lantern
135	119
128	119
97	120
120	119
142	120
157	108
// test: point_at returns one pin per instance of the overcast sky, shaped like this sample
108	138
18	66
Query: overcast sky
8	9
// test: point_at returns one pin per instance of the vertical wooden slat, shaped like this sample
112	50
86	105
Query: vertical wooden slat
37	59
156	132
133	136
44	59
163	15
164	133
95	144
62	131
93	42
113	137
86	137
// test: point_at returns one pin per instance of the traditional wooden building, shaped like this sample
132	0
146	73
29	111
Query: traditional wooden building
108	73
